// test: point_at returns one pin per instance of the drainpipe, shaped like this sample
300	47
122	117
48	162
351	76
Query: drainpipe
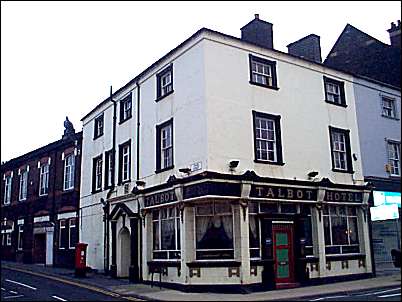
106	207
138	176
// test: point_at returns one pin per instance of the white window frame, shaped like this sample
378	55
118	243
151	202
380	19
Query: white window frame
261	73
69	171
98	173
260	141
339	150
44	179
23	185
8	239
20	233
7	189
166	146
99	125
125	163
71	226
388	111
166	83
127	108
109	169
333	92
60	231
394	157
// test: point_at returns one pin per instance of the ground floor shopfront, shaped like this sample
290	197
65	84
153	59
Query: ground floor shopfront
220	229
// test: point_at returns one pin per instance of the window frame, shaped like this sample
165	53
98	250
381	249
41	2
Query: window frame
71	174
97	173
23	185
99	130
159	89
278	138
394	111
7	189
121	162
341	85
109	169
70	226
60	232
271	64
159	164
391	161
20	237
41	176
124	113
348	151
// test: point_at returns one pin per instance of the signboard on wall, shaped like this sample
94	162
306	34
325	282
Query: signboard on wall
387	198
384	212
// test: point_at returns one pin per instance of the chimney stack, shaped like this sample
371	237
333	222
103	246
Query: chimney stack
258	32
395	34
307	48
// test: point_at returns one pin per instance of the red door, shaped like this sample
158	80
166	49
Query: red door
283	252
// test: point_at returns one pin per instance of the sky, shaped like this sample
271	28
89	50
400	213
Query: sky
59	59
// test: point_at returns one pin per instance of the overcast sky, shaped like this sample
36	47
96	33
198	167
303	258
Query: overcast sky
59	59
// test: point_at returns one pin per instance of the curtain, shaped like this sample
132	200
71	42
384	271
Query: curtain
253	231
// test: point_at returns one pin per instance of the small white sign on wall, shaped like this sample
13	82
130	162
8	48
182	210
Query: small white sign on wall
196	166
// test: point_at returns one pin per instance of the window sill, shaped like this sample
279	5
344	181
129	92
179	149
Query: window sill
343	171
164	169
214	263
96	191
164	263
68	191
43	195
336	104
259	161
122	121
96	137
262	85
159	98
390	117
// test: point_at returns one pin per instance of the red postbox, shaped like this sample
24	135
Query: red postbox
80	259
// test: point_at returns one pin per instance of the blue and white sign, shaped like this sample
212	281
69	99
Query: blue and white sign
384	212
387	198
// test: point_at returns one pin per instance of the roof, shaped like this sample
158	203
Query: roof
207	30
39	152
359	53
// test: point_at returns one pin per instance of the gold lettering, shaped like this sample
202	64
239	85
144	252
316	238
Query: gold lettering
270	193
337	196
299	194
290	193
309	194
280	194
350	196
259	191
329	196
343	196
357	197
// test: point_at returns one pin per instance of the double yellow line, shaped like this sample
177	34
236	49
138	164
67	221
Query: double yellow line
93	288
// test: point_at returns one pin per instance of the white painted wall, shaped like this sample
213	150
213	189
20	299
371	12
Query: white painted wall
305	116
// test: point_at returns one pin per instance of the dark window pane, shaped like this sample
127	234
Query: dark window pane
339	230
350	249
73	237
156	235
254	237
214	232
160	255
327	233
178	233
168	235
288	208
306	223
308	251
254	253
203	255
332	250
305	209
353	233
268	207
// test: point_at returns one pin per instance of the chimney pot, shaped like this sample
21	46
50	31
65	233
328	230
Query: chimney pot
257	16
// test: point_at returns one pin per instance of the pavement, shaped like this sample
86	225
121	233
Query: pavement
122	287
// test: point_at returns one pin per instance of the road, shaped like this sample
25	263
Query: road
18	286
379	294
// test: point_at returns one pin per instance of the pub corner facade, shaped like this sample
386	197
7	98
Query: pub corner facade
227	162
39	203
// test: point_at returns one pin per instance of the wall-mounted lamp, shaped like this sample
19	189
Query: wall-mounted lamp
312	174
140	183
185	170
233	164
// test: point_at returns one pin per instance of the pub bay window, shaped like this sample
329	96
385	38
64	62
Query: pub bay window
98	126
214	231
394	161
7	189
164	144
164	83
340	150
262	72
69	167
334	92
267	138
340	230
23	185
166	233
43	179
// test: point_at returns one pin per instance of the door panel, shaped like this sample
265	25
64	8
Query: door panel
283	253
